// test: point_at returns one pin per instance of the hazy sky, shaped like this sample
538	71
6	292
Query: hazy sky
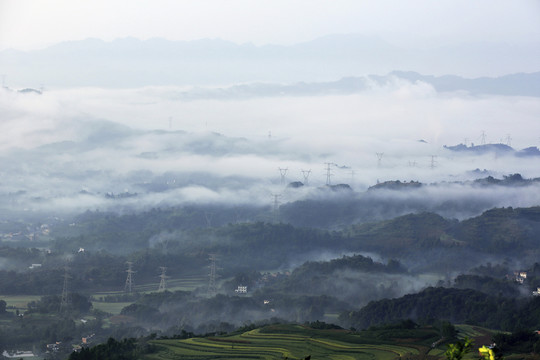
31	24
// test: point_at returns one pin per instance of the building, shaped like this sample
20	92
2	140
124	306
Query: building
241	289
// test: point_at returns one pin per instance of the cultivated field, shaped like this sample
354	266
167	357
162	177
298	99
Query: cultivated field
298	342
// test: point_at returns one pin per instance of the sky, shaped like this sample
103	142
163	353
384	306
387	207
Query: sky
35	24
102	140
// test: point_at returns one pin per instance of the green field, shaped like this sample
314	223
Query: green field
298	342
19	302
110	307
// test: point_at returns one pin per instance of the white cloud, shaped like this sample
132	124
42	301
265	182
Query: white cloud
106	141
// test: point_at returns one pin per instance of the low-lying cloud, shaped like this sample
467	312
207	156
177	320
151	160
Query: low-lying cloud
67	149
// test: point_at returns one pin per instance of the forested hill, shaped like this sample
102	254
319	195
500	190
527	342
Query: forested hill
455	305
496	231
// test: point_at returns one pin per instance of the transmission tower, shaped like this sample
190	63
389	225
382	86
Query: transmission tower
208	217
305	174
163	277
65	300
275	211
508	140
433	161
283	173
212	289
352	176
170	122
328	173
129	279
483	138
379	159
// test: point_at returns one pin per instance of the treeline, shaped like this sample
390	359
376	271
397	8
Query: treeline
454	305
503	231
490	285
46	322
353	279
97	271
102	230
126	349
496	231
187	310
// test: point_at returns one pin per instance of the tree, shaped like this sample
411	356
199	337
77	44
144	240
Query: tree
458	350
3	305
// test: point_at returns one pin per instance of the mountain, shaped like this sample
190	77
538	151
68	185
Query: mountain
131	62
514	84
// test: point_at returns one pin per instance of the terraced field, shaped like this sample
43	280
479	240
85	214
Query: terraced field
292	342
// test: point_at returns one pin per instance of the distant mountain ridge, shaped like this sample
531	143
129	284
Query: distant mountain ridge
130	62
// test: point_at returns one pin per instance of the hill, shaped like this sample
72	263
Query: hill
451	304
